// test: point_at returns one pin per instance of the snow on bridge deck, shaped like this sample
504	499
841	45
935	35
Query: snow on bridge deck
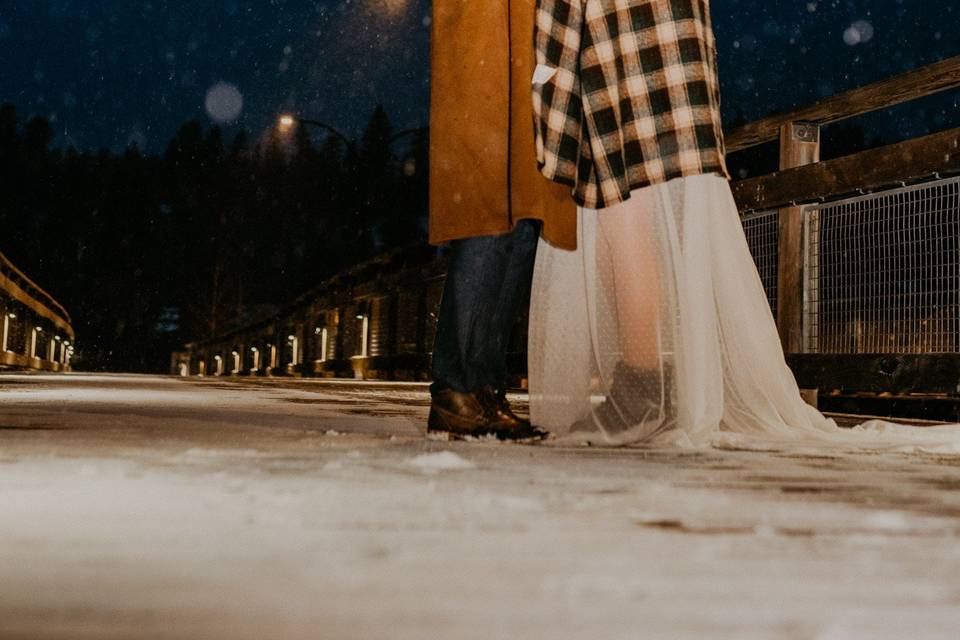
152	507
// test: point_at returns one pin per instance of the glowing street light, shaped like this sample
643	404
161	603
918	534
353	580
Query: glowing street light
287	122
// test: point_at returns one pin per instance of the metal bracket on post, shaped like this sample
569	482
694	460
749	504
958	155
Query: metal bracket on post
799	146
805	132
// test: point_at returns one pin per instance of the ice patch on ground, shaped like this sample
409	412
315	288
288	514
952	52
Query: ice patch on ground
197	452
887	520
440	461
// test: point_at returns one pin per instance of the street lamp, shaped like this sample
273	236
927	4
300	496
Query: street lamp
288	121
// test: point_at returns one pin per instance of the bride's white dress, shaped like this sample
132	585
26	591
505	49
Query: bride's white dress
665	283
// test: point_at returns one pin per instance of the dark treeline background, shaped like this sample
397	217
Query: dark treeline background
147	252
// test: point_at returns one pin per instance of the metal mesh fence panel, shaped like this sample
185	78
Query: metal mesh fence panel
762	231
882	272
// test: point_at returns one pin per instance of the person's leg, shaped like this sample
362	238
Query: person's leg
630	239
484	288
638	386
514	291
474	282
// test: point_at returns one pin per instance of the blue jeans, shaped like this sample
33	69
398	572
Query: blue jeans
488	279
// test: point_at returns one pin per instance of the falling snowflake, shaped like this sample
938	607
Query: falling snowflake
224	102
860	32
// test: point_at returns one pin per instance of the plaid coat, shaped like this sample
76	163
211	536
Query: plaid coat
625	95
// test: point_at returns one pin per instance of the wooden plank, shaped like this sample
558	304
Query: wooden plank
18	361
878	373
918	83
920	411
868	171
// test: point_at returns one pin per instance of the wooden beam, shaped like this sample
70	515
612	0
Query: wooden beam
912	85
799	146
878	373
16	292
905	162
27	291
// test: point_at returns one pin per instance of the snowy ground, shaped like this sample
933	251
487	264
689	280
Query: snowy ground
147	507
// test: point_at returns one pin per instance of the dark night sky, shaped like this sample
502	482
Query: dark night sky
115	71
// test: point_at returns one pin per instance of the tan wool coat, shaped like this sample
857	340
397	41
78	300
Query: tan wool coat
483	165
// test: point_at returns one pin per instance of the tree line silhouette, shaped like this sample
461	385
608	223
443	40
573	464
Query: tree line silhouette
148	251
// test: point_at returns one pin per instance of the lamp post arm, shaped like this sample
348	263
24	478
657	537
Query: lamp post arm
325	126
405	132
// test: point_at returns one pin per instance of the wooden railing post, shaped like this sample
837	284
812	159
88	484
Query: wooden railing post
799	145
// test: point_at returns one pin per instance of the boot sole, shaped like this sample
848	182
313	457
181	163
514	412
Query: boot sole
438	424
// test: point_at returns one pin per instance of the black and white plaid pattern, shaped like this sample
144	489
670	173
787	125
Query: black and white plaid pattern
631	96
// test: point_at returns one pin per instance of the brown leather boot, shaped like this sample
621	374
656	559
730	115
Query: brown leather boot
477	414
509	425
459	414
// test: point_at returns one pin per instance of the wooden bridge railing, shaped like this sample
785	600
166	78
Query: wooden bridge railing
925	81
35	330
803	178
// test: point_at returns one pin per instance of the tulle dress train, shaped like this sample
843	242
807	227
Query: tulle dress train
657	330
